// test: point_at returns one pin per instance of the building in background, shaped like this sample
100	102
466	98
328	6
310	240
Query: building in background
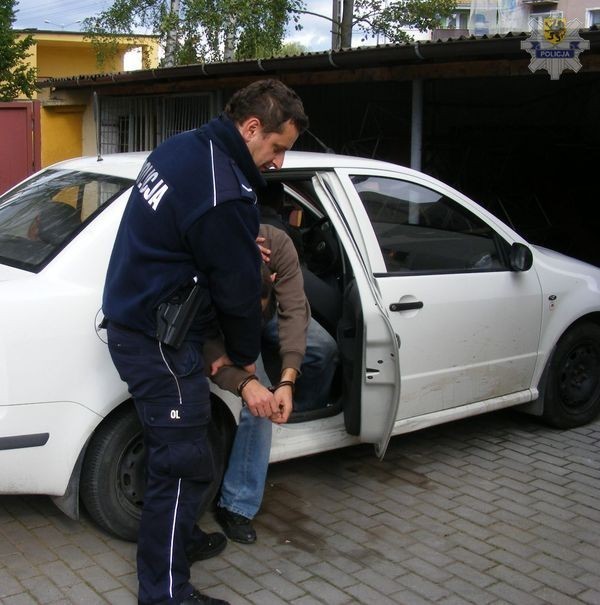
491	17
40	132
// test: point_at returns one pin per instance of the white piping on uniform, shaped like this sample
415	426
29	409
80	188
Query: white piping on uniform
179	481
173	539
212	165
171	371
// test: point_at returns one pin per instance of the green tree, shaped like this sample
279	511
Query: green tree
291	48
391	18
16	77
191	31
287	49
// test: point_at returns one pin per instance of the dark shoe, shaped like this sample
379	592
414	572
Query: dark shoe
197	598
236	527
211	547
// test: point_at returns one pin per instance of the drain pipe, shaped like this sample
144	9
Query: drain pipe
416	125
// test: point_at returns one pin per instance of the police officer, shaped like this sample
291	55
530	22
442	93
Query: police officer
188	234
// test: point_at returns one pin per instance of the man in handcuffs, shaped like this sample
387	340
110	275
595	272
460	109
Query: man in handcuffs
308	358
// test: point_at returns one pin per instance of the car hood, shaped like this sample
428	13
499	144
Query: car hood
568	263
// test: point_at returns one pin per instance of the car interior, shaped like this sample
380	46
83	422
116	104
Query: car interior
38	218
330	288
434	235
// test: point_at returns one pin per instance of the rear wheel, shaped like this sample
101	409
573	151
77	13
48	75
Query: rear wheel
112	479
573	391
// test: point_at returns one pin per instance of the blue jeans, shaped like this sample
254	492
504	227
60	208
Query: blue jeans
318	368
244	480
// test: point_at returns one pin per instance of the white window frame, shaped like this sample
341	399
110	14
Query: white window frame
461	17
536	20
589	12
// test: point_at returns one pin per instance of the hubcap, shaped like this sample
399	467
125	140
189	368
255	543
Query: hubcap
131	475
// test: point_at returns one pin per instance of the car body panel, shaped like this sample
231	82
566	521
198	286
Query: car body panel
44	469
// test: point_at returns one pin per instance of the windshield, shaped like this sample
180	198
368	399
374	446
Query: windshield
40	216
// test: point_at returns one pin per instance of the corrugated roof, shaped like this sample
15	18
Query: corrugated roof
462	49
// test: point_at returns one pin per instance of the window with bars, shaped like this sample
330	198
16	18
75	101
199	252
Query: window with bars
141	123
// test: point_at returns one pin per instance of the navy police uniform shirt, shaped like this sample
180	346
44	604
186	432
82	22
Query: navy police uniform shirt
192	214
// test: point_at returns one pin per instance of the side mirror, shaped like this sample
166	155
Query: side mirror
520	258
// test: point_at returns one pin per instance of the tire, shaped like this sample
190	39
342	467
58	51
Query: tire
112	479
220	434
573	389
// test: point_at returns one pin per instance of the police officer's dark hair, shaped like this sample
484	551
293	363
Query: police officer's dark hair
272	102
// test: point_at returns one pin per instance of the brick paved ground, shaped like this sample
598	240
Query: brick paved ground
490	510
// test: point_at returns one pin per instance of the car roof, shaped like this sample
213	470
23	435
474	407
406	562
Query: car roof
128	165
125	165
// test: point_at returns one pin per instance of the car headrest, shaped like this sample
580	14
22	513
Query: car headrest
57	221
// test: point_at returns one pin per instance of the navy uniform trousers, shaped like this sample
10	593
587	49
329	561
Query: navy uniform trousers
172	399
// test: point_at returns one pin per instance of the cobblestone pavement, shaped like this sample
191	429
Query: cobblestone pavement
491	510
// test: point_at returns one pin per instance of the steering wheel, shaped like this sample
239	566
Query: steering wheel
320	247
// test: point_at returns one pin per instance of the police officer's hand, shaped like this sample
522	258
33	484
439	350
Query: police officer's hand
263	246
251	369
224	361
283	398
219	363
259	400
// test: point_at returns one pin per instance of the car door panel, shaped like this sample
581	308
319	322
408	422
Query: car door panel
475	337
375	379
469	327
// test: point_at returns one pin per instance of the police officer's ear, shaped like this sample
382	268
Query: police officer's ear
250	128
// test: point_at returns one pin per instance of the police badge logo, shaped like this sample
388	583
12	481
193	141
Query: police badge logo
555	45
555	29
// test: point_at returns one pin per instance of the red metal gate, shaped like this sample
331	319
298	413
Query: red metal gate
19	141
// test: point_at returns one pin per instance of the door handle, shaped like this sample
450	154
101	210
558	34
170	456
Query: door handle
407	306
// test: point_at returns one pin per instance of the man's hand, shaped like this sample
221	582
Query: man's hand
284	396
283	399
259	399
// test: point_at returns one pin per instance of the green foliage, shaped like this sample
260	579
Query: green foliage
16	77
200	30
289	49
392	17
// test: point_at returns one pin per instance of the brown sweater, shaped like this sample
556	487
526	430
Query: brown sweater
290	303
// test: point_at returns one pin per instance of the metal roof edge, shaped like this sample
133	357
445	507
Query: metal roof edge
453	49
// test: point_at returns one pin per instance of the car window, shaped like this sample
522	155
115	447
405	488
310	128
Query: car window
422	230
40	216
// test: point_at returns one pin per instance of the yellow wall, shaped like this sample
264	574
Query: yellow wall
61	133
67	55
56	61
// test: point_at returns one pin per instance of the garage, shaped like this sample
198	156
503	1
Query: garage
519	143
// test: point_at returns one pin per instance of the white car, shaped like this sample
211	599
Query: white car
440	312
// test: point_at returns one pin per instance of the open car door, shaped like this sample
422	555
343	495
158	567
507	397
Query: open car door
368	343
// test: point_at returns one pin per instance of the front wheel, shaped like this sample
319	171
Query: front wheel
112	479
573	390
